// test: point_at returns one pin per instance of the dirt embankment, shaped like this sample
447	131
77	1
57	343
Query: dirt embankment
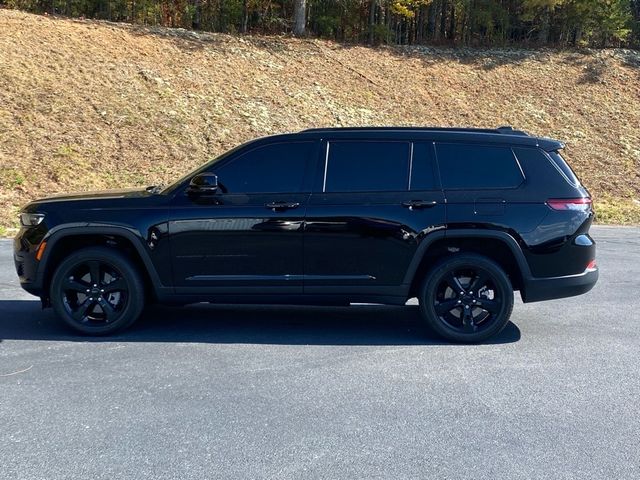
89	105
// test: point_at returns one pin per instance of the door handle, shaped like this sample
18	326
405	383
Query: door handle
275	206
416	204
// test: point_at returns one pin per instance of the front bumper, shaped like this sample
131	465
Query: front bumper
24	258
538	289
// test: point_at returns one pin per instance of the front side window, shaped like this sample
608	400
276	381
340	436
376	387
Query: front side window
367	166
473	167
274	168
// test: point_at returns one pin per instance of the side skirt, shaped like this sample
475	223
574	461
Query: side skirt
271	299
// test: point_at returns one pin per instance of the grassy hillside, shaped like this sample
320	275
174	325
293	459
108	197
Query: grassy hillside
91	105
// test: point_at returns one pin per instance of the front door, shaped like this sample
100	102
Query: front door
247	237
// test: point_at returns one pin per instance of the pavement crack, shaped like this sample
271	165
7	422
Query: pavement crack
18	372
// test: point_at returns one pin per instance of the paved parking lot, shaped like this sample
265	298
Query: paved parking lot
358	392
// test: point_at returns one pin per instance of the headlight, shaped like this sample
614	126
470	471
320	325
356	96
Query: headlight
31	219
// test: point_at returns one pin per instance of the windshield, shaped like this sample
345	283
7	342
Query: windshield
207	166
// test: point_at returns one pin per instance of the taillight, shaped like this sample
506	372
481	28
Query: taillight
592	265
580	204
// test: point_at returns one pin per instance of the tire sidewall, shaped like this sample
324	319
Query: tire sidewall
432	281
135	294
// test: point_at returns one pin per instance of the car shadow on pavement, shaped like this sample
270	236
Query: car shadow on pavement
259	324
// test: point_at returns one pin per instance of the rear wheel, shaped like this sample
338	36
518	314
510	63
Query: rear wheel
97	291
466	298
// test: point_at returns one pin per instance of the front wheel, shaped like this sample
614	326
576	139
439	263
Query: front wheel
97	291
466	298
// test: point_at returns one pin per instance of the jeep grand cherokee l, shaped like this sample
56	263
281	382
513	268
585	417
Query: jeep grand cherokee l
459	218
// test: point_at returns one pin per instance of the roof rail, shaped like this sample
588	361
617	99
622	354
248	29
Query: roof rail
509	130
505	130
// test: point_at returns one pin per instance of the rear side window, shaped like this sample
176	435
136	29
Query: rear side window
564	167
478	166
273	168
367	166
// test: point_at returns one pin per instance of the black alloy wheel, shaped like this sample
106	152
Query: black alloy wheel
94	292
97	291
467	298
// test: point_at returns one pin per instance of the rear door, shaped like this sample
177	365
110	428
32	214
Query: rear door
373	203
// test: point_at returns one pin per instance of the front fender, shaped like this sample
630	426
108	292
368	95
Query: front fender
133	236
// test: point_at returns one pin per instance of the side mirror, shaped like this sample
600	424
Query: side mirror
203	183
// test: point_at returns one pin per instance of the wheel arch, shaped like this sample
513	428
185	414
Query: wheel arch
65	240
498	246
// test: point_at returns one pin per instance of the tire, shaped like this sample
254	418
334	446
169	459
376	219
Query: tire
465	315
97	291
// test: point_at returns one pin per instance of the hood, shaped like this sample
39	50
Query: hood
98	195
100	199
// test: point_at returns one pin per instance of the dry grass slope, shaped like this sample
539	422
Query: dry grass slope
91	105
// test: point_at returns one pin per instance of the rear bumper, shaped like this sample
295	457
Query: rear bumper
538	289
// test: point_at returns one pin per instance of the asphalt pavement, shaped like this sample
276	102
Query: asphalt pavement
361	392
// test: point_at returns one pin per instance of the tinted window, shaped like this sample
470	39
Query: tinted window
564	168
275	168
422	171
367	166
476	166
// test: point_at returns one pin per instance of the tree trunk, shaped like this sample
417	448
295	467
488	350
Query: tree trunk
197	15
443	19
245	15
452	23
635	10
299	17
372	20
431	22
545	26
420	24
384	21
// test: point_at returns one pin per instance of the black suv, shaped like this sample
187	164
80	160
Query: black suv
459	218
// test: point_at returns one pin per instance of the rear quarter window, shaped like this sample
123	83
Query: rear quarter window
472	167
561	164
